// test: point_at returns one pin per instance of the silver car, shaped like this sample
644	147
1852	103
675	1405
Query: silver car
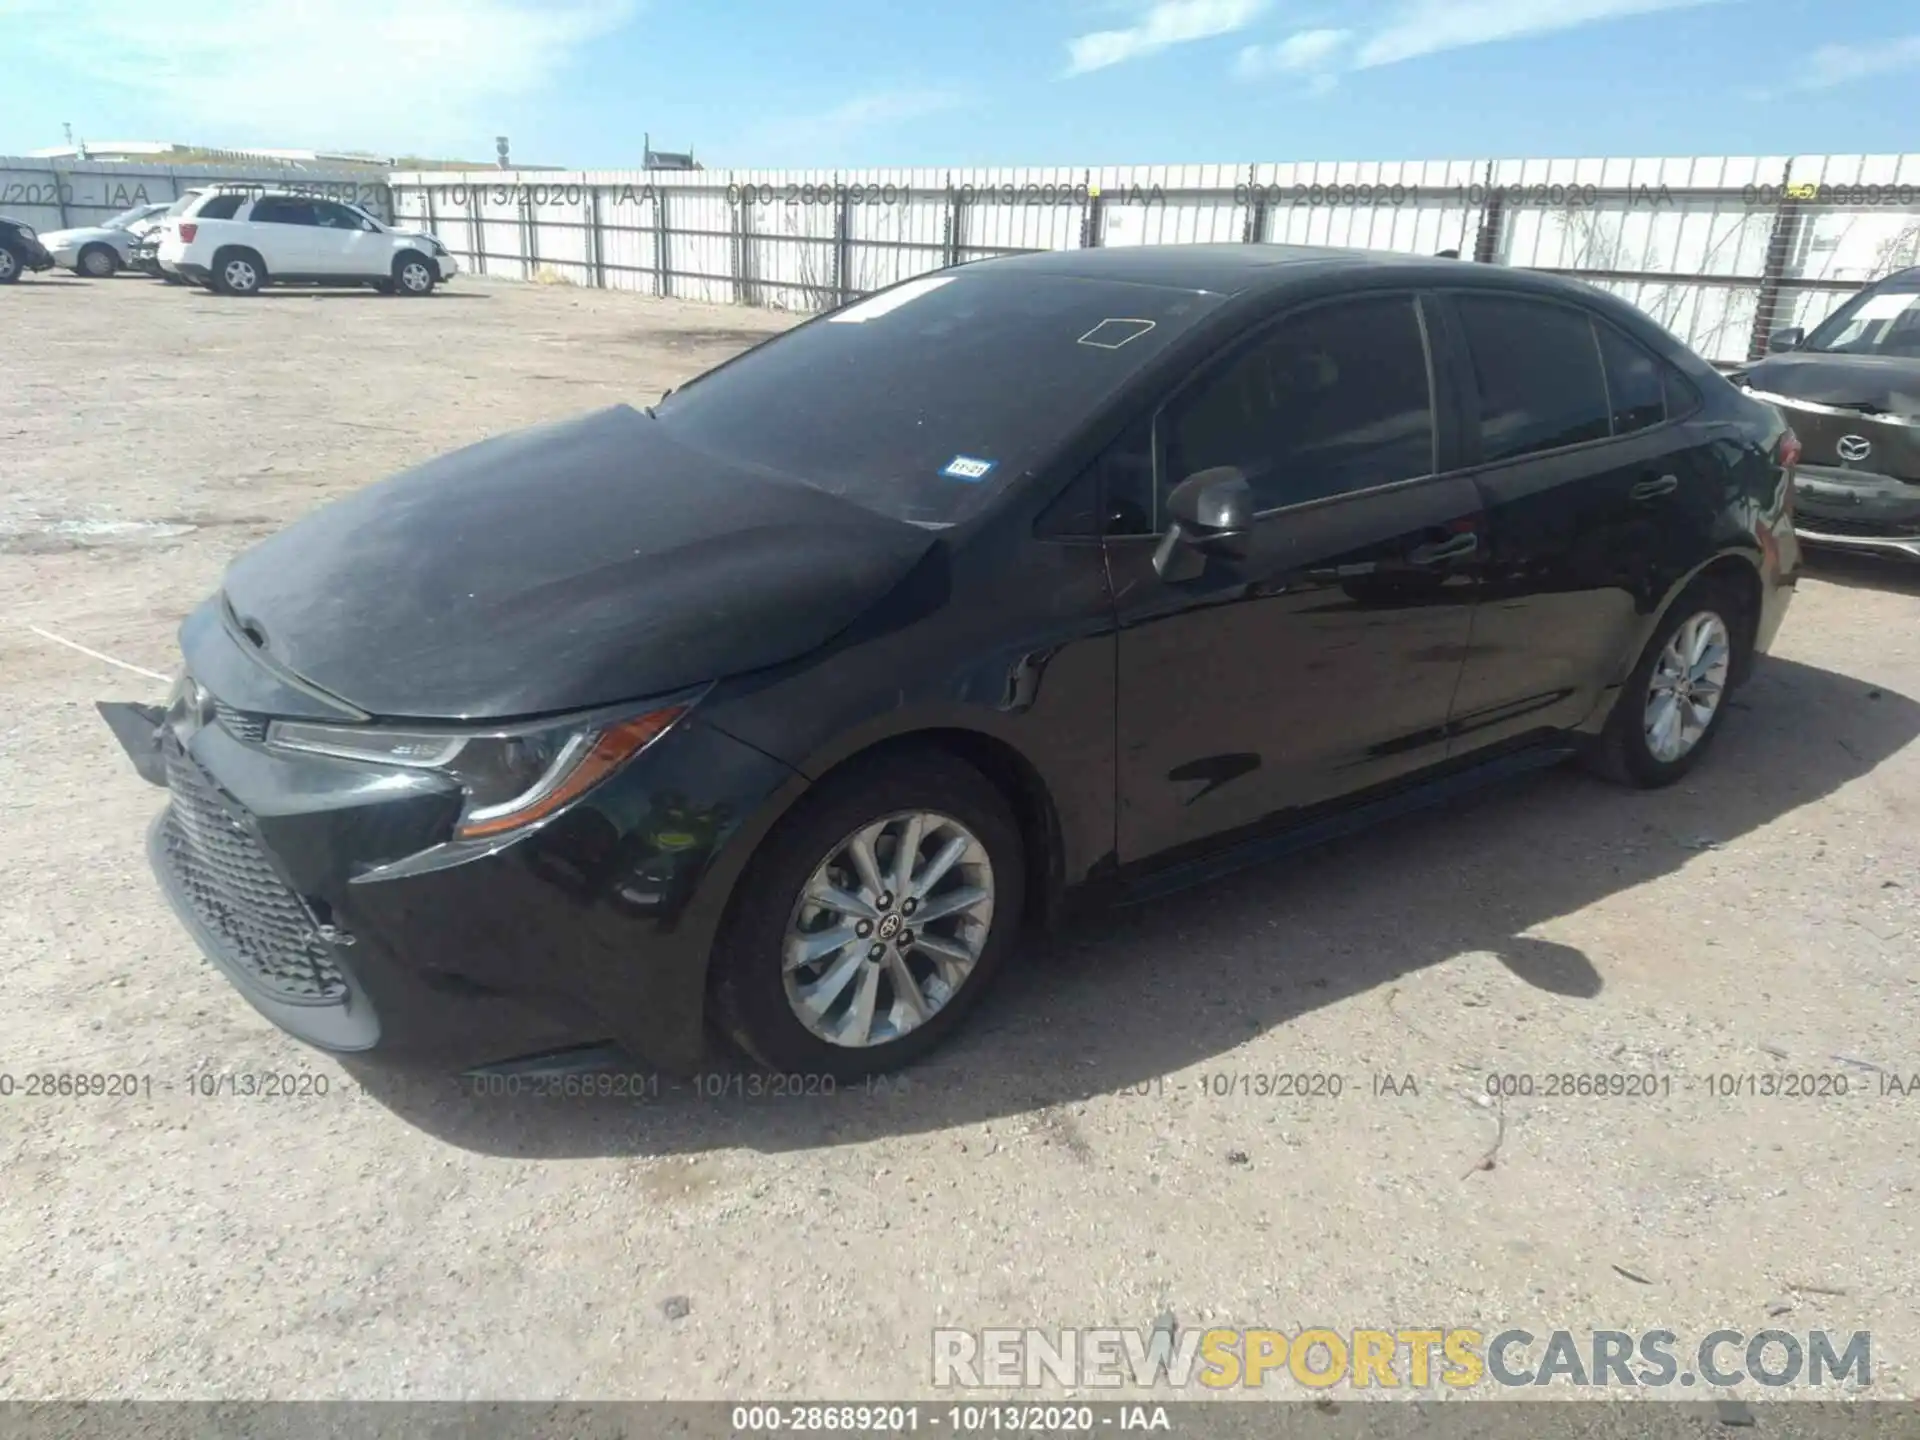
100	250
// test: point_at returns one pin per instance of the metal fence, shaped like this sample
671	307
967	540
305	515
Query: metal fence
66	194
1722	251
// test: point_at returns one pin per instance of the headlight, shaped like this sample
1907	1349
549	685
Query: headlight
513	776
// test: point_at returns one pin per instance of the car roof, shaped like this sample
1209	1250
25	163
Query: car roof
1223	269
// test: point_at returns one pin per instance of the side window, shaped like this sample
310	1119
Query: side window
1635	385
220	207
1682	398
283	210
1538	372
1112	496
1332	400
336	217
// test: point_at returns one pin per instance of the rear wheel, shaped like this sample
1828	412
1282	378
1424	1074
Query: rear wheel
238	272
1674	702
98	262
872	919
413	274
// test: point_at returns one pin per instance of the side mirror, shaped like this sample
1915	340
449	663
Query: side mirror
1212	514
1788	339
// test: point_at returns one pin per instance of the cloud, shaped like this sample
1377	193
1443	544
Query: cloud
1833	65
1306	51
1169	22
409	76
1427	27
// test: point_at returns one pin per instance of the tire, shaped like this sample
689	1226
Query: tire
413	274
1629	751
758	996
238	272
97	262
10	266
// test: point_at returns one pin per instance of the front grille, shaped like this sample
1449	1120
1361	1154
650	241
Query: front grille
262	926
241	724
1821	523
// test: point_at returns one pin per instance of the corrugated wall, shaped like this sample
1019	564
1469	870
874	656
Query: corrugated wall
1721	250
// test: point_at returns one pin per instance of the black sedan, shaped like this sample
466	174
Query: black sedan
20	250
778	707
1851	391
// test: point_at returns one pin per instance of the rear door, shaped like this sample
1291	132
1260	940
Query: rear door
286	234
1595	504
1325	662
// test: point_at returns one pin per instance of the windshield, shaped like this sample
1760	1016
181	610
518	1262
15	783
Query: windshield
179	206
924	400
128	217
1874	322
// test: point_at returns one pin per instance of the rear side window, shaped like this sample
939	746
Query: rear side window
283	210
220	207
1333	400
1538	373
1635	386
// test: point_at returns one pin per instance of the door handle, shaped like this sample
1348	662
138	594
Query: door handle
1654	489
1454	549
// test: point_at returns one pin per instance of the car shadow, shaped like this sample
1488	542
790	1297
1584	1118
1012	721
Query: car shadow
1116	1002
327	292
1862	572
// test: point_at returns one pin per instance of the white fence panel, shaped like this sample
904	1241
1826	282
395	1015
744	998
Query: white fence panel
1721	249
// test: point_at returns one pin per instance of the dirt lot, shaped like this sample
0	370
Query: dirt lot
1069	1162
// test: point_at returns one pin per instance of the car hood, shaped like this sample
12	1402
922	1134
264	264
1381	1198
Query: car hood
573	565
58	239
1871	384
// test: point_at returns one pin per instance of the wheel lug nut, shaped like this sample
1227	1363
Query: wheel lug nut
885	902
907	907
863	929
878	952
906	938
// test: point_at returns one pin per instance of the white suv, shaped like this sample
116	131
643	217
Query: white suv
234	242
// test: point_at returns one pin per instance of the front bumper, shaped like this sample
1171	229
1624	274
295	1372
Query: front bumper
595	927
1857	510
447	268
33	255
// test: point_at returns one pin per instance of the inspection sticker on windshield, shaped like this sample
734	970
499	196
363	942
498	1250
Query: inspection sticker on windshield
887	301
966	467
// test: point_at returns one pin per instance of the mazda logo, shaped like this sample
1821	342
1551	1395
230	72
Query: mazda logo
1854	447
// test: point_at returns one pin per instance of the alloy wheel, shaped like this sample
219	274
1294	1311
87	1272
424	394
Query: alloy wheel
97	263
240	276
1686	687
8	263
414	276
888	928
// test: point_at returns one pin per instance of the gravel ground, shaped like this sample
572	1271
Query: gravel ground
1072	1160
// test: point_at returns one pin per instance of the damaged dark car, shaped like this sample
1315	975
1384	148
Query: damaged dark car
1851	392
775	710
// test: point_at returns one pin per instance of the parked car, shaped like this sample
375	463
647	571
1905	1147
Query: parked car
1851	391
236	243
782	703
145	256
20	250
101	250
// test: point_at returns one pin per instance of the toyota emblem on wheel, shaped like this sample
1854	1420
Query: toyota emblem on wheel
1854	447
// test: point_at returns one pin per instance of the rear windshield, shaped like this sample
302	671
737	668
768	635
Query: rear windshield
922	401
1874	322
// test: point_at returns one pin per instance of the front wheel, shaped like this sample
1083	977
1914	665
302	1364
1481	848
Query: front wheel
1674	702
413	275
872	919
97	262
9	266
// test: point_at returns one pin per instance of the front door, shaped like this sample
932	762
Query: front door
1325	662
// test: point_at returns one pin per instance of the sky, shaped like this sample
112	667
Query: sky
859	83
